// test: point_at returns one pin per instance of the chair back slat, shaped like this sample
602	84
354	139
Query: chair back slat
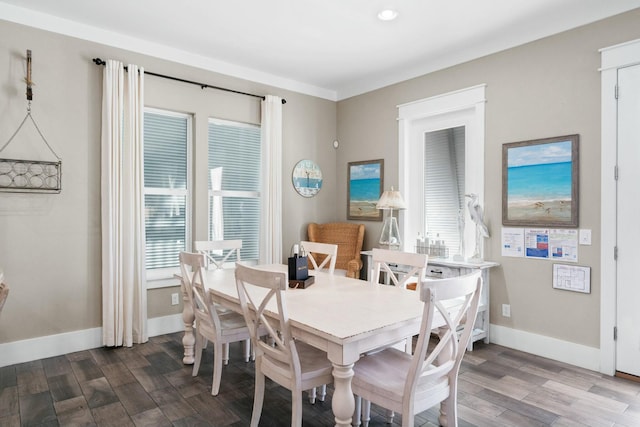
384	259
213	250
321	255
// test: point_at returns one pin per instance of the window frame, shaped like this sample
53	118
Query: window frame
465	107
235	193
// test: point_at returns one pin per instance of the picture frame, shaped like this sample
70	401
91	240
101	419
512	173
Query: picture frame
575	278
365	183
540	182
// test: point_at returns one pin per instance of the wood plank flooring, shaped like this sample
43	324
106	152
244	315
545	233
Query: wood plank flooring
148	385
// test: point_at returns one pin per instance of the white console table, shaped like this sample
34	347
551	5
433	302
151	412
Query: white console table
443	268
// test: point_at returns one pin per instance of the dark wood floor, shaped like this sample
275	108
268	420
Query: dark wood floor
148	385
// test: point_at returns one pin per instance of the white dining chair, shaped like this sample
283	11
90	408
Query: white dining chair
292	364
216	258
221	328
402	269
409	384
214	252
322	256
412	269
4	294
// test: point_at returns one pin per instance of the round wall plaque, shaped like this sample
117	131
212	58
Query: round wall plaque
307	178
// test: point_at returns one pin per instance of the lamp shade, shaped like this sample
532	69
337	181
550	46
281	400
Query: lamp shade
391	199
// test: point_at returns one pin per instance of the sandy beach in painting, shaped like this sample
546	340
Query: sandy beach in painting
543	211
364	209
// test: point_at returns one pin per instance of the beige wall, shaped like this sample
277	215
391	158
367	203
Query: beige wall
50	244
547	88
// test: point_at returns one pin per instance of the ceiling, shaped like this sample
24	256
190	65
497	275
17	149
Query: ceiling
328	48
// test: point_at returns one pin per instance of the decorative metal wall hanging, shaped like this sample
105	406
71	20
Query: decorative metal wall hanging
30	176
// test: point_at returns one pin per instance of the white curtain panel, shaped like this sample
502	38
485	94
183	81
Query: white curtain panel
124	295
271	197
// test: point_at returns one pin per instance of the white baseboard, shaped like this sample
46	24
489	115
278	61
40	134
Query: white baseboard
165	325
551	348
69	342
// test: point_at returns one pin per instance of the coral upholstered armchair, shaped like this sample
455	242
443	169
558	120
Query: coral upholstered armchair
349	238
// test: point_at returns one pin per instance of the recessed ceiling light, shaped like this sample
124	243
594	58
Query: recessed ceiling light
387	15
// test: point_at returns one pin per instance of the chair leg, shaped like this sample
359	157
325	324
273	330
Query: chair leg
197	354
246	347
366	412
217	368
357	413
390	416
323	392
449	409
312	395
258	396
225	351
296	407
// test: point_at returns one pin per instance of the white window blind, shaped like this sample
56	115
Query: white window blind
167	137
234	184
444	184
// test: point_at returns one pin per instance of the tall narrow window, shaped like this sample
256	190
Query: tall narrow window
444	186
167	138
442	159
234	184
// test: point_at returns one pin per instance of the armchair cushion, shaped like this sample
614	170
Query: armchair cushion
348	236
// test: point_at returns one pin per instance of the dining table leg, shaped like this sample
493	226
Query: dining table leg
342	403
188	340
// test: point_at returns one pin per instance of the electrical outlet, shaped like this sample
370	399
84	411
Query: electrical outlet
506	310
175	299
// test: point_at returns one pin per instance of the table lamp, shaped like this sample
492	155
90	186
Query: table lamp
390	236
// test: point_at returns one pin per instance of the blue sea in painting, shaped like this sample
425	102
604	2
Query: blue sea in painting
539	183
365	190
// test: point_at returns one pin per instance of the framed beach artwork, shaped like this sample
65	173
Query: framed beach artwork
365	181
540	182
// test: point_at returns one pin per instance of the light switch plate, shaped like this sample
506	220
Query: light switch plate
585	236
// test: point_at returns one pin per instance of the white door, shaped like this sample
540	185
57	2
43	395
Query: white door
628	222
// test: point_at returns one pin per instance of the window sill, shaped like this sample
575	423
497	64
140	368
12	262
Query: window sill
163	283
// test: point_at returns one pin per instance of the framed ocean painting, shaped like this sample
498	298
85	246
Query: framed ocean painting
540	182
365	181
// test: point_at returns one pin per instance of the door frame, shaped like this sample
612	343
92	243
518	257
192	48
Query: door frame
612	58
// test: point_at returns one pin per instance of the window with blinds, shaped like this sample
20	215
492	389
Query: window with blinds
167	141
234	184
444	152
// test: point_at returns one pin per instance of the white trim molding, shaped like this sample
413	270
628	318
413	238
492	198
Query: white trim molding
612	58
47	22
70	342
464	107
544	346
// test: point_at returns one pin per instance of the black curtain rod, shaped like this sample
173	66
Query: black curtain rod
99	61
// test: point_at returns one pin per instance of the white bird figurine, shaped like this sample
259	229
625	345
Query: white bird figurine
475	211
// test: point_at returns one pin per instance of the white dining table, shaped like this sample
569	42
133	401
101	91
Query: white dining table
344	317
